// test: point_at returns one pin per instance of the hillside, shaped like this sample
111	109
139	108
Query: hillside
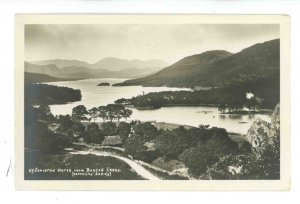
30	78
49	69
217	68
115	64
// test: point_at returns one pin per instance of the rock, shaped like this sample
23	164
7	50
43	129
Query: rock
259	132
275	121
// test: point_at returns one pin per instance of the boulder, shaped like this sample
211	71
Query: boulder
259	132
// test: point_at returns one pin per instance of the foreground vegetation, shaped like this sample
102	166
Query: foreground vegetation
204	151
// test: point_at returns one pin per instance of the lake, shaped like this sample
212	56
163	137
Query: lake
94	96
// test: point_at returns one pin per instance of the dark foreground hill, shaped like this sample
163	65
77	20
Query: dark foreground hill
217	68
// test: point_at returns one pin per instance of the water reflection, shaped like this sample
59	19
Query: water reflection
235	116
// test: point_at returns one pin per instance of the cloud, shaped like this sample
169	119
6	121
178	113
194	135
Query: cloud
167	42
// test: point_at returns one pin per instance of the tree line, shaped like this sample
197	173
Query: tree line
228	98
110	112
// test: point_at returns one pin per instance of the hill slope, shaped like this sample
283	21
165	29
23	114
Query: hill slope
30	78
217	68
116	64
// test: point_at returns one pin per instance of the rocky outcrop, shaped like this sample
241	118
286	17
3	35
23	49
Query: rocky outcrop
263	164
275	121
261	132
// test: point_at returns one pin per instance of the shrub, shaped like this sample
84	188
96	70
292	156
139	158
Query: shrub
109	128
172	143
146	130
124	130
197	159
93	134
135	147
207	152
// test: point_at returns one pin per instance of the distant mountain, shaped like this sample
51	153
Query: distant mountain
50	69
217	68
30	78
107	67
73	72
115	64
60	63
110	64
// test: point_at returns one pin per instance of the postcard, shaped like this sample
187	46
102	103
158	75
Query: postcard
152	102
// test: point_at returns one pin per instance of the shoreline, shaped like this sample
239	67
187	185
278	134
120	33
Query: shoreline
244	112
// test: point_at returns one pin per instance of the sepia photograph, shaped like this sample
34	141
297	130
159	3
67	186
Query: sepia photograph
152	100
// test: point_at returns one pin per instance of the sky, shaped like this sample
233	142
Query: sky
169	43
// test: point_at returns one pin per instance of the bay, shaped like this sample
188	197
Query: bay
94	96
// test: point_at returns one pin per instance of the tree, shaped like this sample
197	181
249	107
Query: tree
251	104
198	159
38	136
93	134
65	123
222	107
135	146
94	113
44	113
109	128
126	113
122	101
102	112
172	143
114	111
79	112
111	112
146	130
78	129
124	130
207	151
119	111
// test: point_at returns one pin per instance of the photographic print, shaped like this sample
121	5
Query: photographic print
150	102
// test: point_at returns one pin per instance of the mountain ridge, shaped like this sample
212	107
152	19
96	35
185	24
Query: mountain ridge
216	68
109	63
81	72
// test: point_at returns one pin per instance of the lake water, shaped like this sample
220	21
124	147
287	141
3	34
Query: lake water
94	96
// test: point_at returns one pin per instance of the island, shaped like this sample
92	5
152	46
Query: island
104	84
